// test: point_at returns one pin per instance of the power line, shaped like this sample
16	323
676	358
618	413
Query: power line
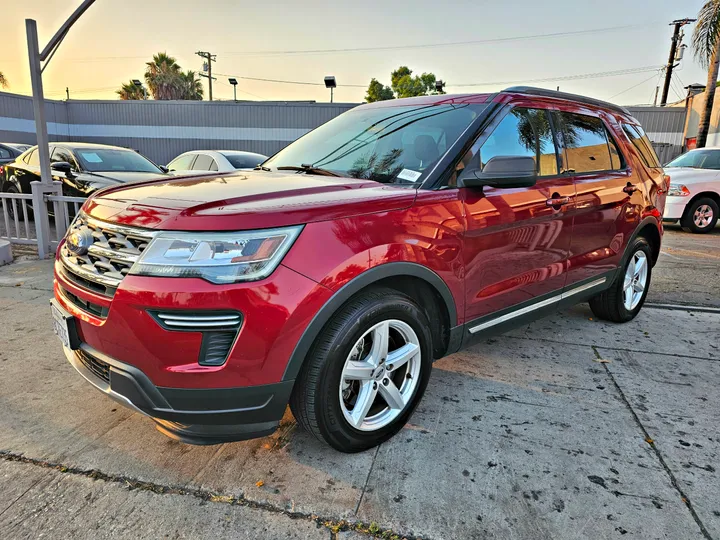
628	71
633	86
289	82
241	91
434	45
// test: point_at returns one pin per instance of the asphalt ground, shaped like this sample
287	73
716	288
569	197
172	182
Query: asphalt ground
567	428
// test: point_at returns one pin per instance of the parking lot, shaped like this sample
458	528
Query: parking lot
568	428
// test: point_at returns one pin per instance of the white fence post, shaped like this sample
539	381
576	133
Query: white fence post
40	213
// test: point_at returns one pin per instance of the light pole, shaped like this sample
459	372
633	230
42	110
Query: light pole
36	57
139	84
233	81
439	85
330	83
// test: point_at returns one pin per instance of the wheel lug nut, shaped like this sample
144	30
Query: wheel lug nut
390	367
374	386
386	381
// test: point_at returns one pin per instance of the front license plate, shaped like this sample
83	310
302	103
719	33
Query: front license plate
61	325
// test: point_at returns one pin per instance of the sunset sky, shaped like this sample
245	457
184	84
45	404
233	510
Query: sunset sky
271	40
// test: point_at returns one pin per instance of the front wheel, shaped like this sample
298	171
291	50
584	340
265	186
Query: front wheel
700	216
626	296
366	372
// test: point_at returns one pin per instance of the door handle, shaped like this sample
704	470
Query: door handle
630	189
558	201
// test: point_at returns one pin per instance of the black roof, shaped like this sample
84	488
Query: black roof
570	97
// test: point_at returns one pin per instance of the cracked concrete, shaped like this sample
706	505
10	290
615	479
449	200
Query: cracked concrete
568	428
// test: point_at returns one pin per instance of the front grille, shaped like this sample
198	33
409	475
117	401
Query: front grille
219	330
96	366
85	305
110	255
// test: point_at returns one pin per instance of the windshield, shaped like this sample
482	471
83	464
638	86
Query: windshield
698	159
393	145
114	159
245	161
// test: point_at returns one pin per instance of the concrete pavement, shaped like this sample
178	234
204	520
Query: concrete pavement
568	428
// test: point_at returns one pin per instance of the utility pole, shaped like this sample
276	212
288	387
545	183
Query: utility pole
209	59
67	92
676	39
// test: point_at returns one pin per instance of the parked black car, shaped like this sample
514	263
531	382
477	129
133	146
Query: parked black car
83	168
10	151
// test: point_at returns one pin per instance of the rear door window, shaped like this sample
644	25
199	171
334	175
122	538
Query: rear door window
202	163
640	140
587	145
182	163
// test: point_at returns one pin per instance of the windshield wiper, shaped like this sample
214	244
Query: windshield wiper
261	168
308	169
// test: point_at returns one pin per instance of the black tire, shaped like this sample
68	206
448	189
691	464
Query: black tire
13	189
609	305
315	401
688	223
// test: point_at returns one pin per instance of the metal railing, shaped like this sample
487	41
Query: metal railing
39	218
15	212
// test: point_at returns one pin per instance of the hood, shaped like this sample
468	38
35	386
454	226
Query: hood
244	200
123	177
690	175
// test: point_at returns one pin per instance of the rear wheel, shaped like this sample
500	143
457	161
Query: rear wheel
626	296
366	372
700	216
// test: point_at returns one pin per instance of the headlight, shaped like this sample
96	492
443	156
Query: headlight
216	257
678	190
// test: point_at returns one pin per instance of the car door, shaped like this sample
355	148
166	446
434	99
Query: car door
517	240
609	200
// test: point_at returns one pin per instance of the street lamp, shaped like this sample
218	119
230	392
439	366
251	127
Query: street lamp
233	81
139	84
330	83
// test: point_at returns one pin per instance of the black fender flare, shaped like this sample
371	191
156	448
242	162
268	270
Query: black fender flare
649	220
351	288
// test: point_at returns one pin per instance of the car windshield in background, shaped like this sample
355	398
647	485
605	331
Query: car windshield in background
392	145
109	159
244	161
697	159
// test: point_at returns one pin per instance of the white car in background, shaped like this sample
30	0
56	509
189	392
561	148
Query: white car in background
199	161
694	194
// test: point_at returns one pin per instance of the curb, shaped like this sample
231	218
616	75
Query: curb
6	256
680	307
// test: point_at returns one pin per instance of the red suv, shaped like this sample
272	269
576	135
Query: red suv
333	275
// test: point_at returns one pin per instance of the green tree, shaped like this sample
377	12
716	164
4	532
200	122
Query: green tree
129	91
164	77
192	87
707	53
405	85
3	80
377	91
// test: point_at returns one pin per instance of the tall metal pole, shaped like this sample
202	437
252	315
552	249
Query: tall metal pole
210	59
671	59
331	94
38	101
235	92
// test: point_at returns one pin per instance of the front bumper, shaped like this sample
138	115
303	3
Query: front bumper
674	208
205	416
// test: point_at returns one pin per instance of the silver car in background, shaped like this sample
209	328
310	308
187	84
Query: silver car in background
198	161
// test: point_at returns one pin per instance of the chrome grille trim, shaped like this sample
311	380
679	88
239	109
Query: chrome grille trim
200	322
114	250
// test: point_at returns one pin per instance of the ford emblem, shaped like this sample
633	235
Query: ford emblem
79	241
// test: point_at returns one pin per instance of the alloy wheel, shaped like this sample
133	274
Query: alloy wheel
380	375
703	216
635	280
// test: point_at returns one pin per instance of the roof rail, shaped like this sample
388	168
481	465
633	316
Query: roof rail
564	95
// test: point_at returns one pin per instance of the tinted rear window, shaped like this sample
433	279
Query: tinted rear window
640	140
248	161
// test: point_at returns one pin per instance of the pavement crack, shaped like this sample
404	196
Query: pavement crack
367	480
648	439
334	525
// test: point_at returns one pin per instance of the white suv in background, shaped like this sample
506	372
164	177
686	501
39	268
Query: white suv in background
694	194
199	161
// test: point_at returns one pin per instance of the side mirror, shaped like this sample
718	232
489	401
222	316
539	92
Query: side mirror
163	168
63	167
505	172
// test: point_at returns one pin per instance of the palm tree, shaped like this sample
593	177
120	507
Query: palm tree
192	86
3	80
164	77
706	43
129	90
